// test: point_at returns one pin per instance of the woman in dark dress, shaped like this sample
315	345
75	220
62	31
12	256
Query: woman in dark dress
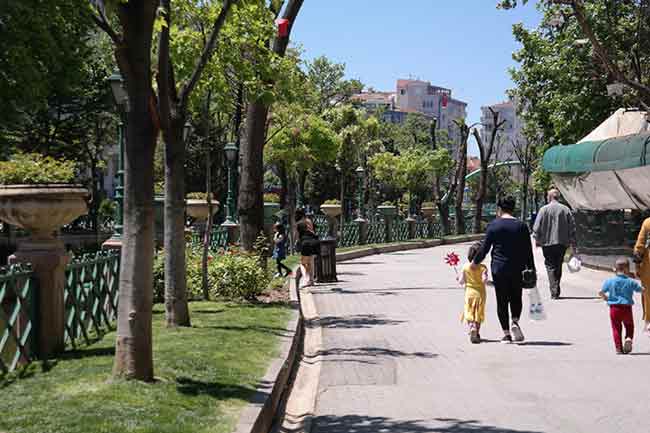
512	253
308	244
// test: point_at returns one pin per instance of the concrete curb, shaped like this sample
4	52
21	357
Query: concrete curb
259	415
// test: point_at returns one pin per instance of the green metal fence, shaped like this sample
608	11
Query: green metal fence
400	231
17	314
376	232
350	235
90	296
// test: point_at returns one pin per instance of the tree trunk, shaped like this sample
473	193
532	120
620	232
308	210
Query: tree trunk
251	197
251	201
282	174
524	197
291	212
460	188
205	286
176	309
443	211
480	197
133	345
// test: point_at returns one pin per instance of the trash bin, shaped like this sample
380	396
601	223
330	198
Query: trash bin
326	262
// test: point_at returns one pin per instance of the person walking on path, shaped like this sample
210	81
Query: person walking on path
280	249
619	294
642	260
473	278
554	231
512	253
308	244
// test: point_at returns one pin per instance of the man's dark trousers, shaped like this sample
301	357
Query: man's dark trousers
553	259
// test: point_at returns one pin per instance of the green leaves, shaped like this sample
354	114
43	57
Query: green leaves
411	170
33	169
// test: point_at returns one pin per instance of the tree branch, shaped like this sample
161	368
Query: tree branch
164	72
208	51
290	13
101	21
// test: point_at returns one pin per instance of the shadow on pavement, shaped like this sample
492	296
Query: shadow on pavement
358	263
351	322
372	351
369	424
544	343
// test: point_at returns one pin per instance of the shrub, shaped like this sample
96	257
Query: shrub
35	169
194	275
428	204
271	197
333	201
238	276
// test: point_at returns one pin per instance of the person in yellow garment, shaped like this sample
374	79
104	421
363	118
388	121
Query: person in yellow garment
642	260
473	278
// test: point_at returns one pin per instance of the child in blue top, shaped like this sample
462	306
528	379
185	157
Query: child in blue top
619	291
280	249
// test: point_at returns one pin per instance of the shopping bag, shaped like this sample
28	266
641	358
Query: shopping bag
535	307
575	264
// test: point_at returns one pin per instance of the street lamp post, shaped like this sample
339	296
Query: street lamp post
360	175
121	99
231	151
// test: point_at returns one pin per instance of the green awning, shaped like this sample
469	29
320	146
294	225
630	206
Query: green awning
618	153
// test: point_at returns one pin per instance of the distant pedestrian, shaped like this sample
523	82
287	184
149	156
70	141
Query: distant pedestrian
619	294
512	253
280	249
642	260
473	277
554	231
308	244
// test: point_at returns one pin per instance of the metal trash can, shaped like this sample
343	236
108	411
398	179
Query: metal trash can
326	262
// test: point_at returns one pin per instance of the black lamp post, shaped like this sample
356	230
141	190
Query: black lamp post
231	151
121	99
360	175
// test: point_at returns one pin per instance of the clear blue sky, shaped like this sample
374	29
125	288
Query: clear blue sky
465	45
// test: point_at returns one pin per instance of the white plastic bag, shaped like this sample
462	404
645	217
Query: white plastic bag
574	264
535	307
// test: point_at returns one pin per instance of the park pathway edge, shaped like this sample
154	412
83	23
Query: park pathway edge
297	412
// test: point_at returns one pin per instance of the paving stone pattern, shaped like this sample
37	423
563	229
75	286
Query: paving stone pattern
397	359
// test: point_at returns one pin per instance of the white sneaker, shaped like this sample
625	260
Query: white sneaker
518	336
627	346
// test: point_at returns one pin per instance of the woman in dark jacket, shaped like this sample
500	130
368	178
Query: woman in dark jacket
512	252
308	244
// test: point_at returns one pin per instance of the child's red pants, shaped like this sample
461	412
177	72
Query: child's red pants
621	315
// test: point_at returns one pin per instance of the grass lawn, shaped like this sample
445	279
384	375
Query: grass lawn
206	374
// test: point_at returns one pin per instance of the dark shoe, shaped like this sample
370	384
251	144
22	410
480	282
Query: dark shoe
555	297
473	336
517	335
507	339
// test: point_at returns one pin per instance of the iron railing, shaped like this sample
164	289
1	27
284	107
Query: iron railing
18	313
91	296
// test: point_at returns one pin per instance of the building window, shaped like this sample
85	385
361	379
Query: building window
402	91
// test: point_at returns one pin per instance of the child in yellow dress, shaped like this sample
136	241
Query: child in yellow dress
473	278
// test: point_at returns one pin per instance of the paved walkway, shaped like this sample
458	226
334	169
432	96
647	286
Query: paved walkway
395	357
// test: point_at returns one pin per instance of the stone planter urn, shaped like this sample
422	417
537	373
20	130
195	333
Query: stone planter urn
332	212
387	211
270	211
198	209
42	210
428	211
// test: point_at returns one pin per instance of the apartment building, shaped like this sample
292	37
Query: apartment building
511	132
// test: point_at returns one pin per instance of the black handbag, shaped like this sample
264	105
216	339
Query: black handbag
528	279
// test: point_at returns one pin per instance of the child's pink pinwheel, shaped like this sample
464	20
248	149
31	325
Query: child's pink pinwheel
453	259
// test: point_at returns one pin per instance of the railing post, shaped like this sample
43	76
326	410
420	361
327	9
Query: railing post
48	260
411	223
389	228
363	231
